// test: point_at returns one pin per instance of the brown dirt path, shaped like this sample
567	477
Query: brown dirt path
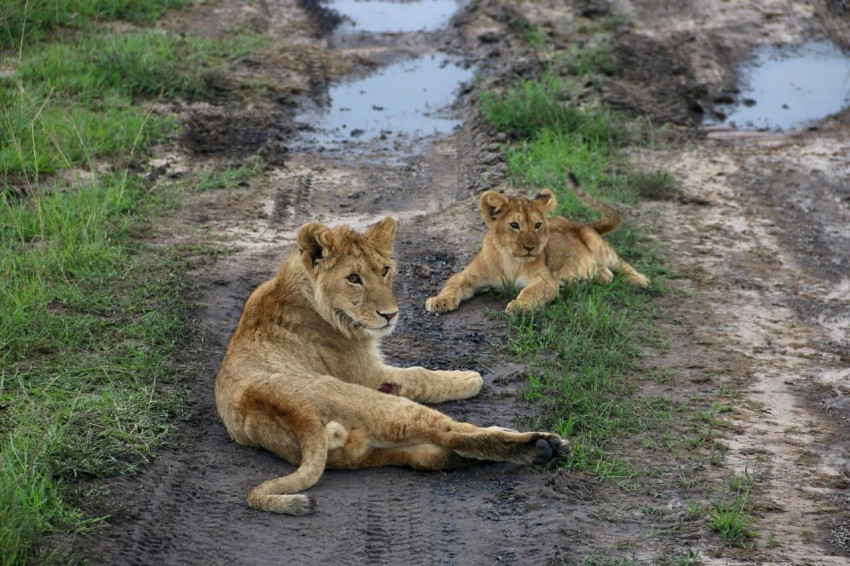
759	239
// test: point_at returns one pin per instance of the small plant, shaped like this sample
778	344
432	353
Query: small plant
657	185
534	106
741	483
732	522
690	558
231	177
694	510
581	61
718	453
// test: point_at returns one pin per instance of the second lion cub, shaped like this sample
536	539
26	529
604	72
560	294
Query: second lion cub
527	249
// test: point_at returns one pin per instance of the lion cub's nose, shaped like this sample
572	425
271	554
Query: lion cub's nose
388	315
529	248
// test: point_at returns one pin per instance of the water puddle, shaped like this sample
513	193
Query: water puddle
405	100
372	16
790	87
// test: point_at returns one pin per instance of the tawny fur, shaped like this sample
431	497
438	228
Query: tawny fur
303	378
526	249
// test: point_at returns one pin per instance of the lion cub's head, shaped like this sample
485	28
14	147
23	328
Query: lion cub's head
352	276
519	225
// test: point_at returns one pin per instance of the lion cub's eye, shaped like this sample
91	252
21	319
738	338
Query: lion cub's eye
514	225
538	225
386	270
354	278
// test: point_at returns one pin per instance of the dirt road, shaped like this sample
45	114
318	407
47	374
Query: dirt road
758	238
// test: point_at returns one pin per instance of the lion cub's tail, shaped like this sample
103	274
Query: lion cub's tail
280	495
610	220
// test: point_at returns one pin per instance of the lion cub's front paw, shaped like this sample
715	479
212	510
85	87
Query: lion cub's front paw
470	383
518	305
442	303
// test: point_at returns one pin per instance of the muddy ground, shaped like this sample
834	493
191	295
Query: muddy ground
758	239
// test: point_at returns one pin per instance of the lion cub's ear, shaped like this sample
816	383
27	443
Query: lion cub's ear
546	201
381	235
492	205
316	242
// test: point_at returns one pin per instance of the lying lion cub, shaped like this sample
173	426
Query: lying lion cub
525	248
303	378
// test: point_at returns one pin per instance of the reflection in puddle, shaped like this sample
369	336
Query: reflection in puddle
791	87
388	17
405	99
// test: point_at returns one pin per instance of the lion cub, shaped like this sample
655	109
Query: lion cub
303	377
527	249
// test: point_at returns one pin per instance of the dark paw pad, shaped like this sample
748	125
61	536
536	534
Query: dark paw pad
544	452
551	449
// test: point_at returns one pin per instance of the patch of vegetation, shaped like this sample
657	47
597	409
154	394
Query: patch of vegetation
538	106
88	324
584	344
582	349
75	100
230	177
732	521
90	316
33	21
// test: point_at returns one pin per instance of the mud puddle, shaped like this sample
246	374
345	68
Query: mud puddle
786	88
400	103
377	16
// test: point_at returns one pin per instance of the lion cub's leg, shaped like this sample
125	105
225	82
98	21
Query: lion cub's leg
462	286
441	443
431	386
610	260
631	275
539	288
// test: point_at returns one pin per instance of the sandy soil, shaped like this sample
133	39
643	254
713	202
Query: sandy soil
758	239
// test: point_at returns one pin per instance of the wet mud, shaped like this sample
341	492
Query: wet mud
757	238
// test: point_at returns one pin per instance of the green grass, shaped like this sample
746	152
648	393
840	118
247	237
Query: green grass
23	22
582	347
230	177
536	106
732	521
90	315
87	330
76	100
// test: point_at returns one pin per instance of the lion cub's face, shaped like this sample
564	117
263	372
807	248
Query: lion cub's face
352	276
519	225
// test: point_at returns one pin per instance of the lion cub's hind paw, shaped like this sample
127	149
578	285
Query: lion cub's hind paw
551	449
638	279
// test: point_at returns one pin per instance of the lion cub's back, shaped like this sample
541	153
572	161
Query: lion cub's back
572	243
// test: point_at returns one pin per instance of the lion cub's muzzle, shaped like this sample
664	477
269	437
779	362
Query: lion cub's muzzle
383	323
525	255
